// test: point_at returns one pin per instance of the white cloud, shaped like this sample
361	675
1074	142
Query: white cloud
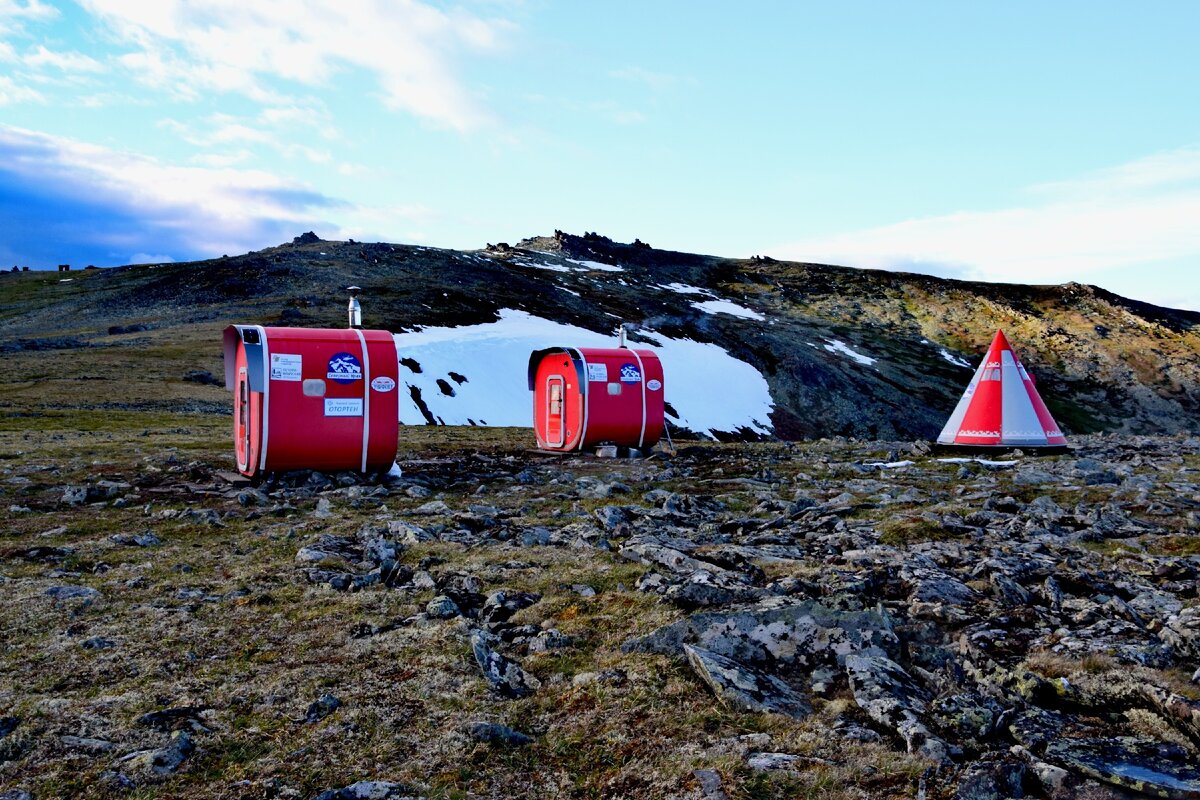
190	46
292	117
150	258
223	130
655	80
223	160
14	12
195	209
10	93
65	62
1136	214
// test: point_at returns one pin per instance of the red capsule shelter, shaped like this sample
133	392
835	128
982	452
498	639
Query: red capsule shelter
588	396
312	398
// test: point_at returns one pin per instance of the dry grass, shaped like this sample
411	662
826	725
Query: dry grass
217	617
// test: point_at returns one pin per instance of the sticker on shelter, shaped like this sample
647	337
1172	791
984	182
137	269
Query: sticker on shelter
285	367
344	368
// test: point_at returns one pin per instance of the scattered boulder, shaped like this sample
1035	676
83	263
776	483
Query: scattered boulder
890	697
146	539
496	734
169	719
1143	765
370	790
777	631
743	688
321	708
504	676
164	761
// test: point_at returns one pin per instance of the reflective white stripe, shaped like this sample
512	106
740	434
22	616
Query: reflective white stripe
642	371
584	394
960	411
1019	423
266	409
366	396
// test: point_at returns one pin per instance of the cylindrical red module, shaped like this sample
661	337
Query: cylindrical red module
311	398
586	396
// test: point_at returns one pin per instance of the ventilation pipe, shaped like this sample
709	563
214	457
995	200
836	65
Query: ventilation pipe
354	309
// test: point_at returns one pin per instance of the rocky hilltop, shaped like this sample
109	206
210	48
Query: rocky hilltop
844	351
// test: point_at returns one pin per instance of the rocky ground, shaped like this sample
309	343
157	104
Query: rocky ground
825	619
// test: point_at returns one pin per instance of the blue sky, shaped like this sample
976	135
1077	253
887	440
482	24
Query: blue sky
1028	142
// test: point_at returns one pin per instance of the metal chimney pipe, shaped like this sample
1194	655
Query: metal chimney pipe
354	309
621	335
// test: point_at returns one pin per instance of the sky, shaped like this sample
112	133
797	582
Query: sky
1024	142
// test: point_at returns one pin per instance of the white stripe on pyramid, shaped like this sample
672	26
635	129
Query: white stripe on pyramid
1019	423
951	430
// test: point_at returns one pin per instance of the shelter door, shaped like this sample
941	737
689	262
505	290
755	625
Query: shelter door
241	428
554	411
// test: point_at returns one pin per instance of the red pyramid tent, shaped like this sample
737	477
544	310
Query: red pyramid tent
1001	407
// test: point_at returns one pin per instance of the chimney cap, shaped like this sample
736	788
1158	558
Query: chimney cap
353	290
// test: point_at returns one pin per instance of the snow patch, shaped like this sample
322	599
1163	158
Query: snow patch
596	265
838	346
727	307
983	461
953	359
889	464
541	265
683	288
709	389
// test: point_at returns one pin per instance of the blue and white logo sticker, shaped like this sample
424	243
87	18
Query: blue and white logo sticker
653	385
630	374
344	368
383	384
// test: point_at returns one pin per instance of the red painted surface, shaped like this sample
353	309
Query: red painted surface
609	396
279	426
982	419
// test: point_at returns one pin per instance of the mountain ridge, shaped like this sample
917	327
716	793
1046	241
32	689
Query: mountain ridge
1104	362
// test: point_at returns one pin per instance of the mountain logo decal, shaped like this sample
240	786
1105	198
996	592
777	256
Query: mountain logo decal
344	368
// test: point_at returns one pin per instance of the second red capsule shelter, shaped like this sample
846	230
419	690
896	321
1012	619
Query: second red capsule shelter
589	396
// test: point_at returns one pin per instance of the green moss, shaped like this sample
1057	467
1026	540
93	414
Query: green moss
1073	417
1184	545
903	531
